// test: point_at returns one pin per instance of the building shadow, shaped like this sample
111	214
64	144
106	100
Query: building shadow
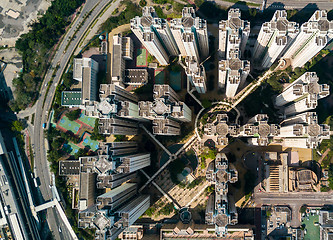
304	14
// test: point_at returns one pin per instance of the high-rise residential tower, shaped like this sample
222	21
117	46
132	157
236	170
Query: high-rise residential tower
313	36
190	34
232	73
154	33
233	35
274	38
219	211
196	74
303	131
166	106
85	70
303	94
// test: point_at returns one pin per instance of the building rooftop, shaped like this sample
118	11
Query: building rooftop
71	98
136	76
69	167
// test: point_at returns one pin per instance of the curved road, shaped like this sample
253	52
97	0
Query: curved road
61	58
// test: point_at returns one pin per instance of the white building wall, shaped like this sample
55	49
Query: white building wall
298	107
155	48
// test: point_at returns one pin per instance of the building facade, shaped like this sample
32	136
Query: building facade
274	38
313	37
190	34
233	36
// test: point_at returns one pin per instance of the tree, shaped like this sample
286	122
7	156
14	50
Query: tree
95	134
35	46
17	126
150	58
73	115
143	3
81	152
68	79
206	103
303	209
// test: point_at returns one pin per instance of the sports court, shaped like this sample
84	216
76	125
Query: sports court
87	142
68	125
176	80
312	231
159	76
71	148
141	57
89	121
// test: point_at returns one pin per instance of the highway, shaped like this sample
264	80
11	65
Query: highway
61	59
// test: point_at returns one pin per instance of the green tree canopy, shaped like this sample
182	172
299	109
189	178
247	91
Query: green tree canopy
73	115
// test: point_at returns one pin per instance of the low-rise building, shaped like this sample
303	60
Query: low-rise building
136	77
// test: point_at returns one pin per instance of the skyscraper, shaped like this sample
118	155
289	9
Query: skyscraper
233	35
190	34
165	106
219	211
274	38
259	131
303	94
85	71
155	48
117	126
303	131
313	36
196	74
232	73
154	33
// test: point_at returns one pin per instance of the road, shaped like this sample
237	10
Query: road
287	4
61	58
295	200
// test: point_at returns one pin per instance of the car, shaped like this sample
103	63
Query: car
44	125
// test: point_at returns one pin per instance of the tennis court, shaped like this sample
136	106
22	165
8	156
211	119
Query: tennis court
159	76
141	57
87	142
90	121
176	80
71	148
69	125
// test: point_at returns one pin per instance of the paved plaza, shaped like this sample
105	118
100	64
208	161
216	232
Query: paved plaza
15	17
